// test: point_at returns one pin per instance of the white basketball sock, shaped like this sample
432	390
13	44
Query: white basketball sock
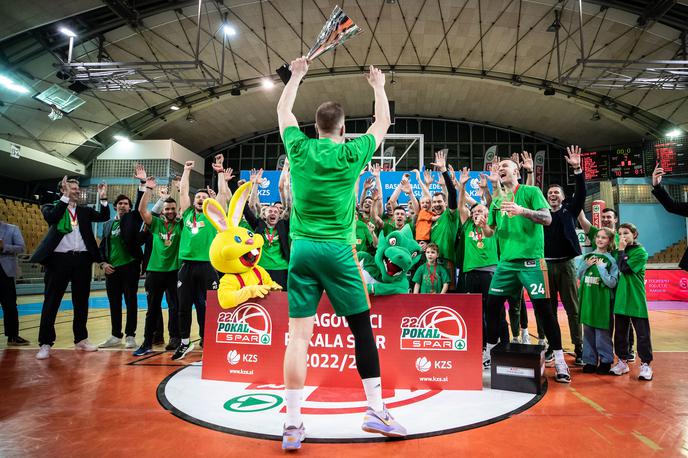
293	398
373	391
185	341
559	356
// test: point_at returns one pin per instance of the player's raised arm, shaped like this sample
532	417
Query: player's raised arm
379	128
299	68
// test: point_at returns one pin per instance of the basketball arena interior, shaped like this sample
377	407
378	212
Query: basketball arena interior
492	194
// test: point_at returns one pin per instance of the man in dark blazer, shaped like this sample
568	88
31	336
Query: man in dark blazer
120	250
11	244
67	252
669	204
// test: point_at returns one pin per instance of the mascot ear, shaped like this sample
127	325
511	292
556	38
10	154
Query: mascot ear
214	212
407	232
236	205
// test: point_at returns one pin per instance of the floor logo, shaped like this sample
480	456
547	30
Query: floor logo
438	328
331	414
255	402
423	364
247	324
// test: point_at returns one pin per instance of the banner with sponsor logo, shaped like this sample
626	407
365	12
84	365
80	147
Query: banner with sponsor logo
539	165
666	285
268	191
425	341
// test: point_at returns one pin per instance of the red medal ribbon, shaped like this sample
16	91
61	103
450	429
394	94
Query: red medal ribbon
169	231
72	216
269	235
433	275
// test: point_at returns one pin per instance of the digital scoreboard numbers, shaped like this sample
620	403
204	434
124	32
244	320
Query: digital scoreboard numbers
625	162
672	156
595	165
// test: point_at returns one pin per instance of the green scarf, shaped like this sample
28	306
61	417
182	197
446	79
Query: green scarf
64	226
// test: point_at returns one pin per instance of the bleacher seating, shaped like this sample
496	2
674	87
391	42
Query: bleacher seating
669	255
26	215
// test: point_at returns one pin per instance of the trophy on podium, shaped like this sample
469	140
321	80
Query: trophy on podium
338	28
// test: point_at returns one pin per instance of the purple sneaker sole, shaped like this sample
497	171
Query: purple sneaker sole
292	438
372	423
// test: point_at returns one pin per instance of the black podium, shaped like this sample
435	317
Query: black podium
518	367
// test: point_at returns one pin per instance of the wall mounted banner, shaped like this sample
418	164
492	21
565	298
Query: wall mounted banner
426	341
268	191
539	165
666	285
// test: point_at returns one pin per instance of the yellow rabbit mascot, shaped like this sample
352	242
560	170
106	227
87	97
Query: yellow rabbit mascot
235	251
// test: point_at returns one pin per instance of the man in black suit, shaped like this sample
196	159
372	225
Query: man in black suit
67	252
669	204
120	250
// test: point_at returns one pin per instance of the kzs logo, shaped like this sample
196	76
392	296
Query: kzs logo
233	357
423	364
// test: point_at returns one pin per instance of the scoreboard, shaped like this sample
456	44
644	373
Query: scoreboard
636	160
626	161
671	154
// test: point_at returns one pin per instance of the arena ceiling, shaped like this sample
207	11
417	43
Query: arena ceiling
481	60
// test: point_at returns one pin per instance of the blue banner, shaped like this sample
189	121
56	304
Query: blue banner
268	191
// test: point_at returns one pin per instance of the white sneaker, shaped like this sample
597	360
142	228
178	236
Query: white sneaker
130	342
43	352
621	368
645	372
525	337
111	342
487	363
85	345
515	340
562	372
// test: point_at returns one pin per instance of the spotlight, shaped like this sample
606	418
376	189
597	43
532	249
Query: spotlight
174	108
229	30
549	90
121	138
7	83
67	32
268	83
673	133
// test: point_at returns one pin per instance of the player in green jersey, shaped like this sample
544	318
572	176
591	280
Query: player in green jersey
323	256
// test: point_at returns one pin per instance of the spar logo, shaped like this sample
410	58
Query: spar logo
438	328
247	324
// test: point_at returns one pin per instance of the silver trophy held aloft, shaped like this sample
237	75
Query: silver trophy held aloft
338	28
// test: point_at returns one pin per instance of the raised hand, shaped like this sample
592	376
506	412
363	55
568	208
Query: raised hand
211	192
256	176
375	193
465	176
573	156
188	165
299	67
527	161
163	192
494	173
375	78
375	170
140	172
440	161
177	181
102	190
150	183
64	186
657	174
483	181
517	160
405	185
427	177
217	163
229	174
368	183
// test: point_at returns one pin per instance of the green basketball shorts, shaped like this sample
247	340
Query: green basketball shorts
511	276
317	266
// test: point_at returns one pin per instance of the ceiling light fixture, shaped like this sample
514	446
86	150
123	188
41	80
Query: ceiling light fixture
229	30
174	108
67	32
7	83
673	133
121	138
268	83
